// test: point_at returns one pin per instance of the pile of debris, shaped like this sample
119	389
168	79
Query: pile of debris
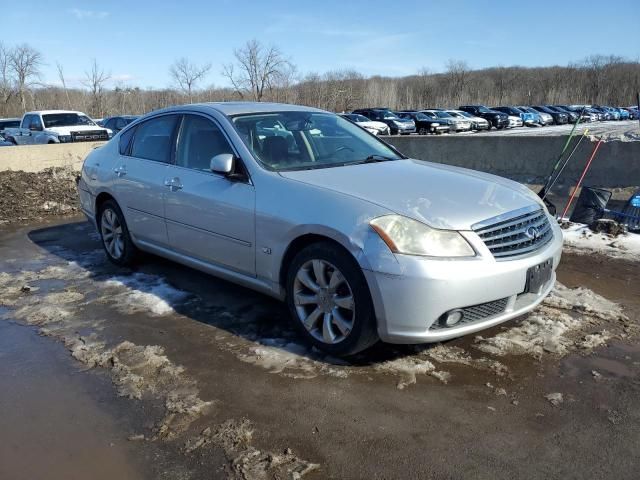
32	196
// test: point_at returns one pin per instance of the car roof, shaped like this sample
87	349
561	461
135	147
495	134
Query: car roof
46	112
239	108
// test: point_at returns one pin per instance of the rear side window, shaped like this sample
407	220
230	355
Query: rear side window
152	140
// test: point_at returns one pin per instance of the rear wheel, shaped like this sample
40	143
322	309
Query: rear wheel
329	300
114	233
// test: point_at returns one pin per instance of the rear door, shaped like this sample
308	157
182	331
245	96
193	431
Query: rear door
209	216
140	174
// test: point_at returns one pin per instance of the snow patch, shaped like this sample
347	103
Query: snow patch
408	368
579	238
563	323
141	292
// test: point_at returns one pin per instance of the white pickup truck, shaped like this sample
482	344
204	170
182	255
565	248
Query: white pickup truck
56	126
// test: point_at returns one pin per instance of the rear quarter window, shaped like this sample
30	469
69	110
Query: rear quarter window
125	141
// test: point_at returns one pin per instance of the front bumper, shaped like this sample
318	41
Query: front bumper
408	306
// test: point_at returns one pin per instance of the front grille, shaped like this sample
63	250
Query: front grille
89	135
517	235
476	313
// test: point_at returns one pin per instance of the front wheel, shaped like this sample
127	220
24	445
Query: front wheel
114	234
329	300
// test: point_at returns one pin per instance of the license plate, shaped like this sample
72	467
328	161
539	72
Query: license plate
538	276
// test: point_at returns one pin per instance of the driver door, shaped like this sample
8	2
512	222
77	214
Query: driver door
209	216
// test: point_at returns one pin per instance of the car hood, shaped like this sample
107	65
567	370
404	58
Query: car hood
74	128
439	195
373	124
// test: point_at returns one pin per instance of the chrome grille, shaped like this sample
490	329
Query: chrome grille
477	313
517	234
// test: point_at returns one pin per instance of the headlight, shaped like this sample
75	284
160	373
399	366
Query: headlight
410	237
64	138
436	124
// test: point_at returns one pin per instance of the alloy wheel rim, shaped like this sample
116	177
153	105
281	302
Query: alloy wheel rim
324	301
112	233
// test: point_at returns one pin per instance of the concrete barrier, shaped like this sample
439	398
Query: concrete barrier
34	158
527	159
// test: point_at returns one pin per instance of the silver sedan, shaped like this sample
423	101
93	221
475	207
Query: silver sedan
362	242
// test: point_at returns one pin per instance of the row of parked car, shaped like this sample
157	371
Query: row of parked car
60	126
384	121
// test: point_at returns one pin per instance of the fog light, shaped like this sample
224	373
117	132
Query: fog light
453	317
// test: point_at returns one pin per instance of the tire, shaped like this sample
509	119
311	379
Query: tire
339	328
422	131
112	226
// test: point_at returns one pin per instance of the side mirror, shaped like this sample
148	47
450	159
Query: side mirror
35	128
223	163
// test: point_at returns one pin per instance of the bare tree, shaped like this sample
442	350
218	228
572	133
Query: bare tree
187	75
25	62
95	80
256	68
6	87
457	72
64	83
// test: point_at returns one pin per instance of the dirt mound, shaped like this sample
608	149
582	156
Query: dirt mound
30	196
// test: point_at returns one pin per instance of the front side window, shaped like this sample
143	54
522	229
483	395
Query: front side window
200	140
308	140
66	120
36	124
26	121
152	139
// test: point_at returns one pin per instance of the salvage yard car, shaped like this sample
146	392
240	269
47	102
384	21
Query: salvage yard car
425	124
8	123
397	125
56	126
377	128
498	120
362	242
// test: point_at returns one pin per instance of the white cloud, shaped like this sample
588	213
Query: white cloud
88	14
122	77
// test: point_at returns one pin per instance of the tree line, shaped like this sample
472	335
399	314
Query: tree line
264	73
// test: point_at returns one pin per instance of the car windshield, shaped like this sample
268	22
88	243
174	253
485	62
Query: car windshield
308	140
484	110
420	116
66	120
358	118
466	114
390	116
443	115
455	114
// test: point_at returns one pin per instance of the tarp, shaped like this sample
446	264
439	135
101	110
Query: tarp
590	206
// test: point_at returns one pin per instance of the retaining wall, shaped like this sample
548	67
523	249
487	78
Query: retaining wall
528	159
34	158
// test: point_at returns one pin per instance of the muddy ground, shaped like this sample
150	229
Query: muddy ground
29	196
164	372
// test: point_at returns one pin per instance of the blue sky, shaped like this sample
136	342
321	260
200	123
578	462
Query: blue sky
136	41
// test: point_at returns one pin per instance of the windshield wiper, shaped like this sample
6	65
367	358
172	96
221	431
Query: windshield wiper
377	158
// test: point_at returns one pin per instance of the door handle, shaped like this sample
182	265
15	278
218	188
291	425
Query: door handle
120	171
174	184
